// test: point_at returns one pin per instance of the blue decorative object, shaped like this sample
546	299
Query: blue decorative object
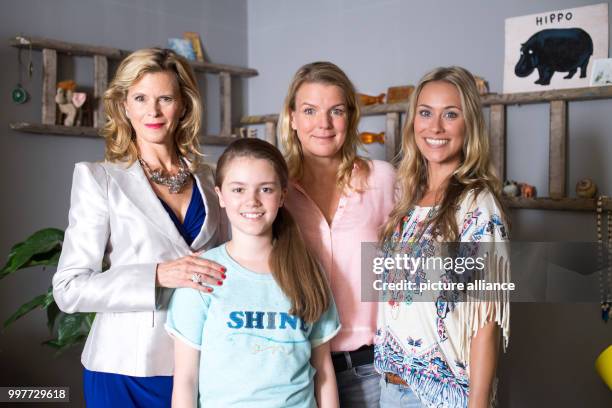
182	47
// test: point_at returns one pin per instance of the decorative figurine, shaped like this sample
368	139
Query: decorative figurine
397	94
511	189
527	190
586	188
369	138
482	85
69	102
365	100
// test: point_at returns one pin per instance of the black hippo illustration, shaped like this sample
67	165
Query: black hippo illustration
560	49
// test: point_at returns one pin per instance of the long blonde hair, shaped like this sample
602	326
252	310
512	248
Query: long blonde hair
295	270
118	132
474	173
328	74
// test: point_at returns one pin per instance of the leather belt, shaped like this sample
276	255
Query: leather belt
395	379
345	360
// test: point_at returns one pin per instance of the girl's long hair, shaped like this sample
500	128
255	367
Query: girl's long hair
325	73
475	171
295	270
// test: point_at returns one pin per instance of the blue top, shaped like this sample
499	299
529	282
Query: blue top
194	219
244	331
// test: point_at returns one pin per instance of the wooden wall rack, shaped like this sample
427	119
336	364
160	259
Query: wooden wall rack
50	49
557	167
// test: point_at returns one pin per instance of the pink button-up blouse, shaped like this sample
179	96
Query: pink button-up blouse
337	247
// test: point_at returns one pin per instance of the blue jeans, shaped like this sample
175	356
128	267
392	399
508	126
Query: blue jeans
359	387
397	396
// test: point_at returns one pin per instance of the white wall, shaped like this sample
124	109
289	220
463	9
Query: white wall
381	43
36	170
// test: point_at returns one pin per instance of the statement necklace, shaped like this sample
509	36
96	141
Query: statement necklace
605	274
174	183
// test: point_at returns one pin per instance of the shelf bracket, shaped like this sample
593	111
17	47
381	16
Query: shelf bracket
557	169
497	134
49	84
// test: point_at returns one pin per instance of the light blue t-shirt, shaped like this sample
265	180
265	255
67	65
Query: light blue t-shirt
253	353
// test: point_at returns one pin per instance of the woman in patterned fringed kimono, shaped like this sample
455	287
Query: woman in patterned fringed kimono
439	348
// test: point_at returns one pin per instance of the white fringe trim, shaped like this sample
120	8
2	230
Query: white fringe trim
478	309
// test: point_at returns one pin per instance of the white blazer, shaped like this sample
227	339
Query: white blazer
116	217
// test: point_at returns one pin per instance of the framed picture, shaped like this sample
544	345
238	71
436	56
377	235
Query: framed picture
196	44
555	49
182	47
601	75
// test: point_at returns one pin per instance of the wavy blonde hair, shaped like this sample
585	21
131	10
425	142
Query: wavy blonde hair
328	74
119	133
474	173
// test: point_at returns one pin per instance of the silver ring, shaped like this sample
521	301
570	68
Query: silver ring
195	278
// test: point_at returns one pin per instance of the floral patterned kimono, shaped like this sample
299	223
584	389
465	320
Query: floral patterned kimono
426	341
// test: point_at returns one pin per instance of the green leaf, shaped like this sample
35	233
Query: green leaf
40	248
69	325
52	313
38	301
50	258
89	319
63	345
49	299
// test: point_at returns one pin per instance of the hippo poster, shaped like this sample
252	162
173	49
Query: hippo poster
554	49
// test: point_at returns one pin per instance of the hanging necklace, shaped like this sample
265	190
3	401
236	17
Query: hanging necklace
19	94
174	183
605	274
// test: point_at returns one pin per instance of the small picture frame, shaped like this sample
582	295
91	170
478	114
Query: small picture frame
182	47
601	74
196	44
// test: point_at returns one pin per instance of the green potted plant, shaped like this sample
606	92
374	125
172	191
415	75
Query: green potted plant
43	248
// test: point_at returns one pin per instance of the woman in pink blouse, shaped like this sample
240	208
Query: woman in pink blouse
339	200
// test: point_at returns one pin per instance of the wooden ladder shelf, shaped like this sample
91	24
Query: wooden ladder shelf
557	173
101	55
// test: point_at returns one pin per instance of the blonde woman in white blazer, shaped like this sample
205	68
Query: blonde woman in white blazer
126	213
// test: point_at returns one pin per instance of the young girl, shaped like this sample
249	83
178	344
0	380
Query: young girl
443	353
258	340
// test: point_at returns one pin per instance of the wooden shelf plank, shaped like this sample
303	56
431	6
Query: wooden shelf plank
218	68
574	94
55	129
213	140
562	204
259	119
76	49
86	131
370	110
39	43
383	108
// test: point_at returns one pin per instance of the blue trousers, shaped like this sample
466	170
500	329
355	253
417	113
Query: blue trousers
108	390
